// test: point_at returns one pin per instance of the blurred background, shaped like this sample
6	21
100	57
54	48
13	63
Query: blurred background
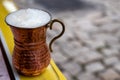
90	47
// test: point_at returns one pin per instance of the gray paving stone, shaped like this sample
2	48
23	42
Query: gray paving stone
95	67
96	15
72	67
95	44
112	7
117	33
106	38
84	50
72	49
88	57
81	35
101	35
101	21
87	76
111	61
117	67
107	28
110	74
110	52
87	26
59	57
68	76
115	46
69	36
112	40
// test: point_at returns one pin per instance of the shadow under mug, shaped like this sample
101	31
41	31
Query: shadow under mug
31	55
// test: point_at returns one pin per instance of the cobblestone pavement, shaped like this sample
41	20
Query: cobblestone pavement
90	47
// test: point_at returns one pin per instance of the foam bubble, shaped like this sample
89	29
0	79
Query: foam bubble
28	18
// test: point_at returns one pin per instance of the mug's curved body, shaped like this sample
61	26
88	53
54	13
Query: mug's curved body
31	55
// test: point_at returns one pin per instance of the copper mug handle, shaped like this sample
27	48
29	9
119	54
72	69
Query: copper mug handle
63	30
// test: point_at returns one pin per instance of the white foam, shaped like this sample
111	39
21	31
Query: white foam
28	18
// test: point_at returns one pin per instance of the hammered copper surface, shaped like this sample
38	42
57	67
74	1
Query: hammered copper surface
31	55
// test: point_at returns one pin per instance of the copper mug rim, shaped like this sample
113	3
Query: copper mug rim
29	27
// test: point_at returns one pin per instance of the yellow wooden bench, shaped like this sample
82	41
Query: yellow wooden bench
52	72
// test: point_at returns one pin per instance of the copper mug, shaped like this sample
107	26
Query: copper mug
31	55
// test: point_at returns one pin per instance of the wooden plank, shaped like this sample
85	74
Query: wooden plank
4	75
7	59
